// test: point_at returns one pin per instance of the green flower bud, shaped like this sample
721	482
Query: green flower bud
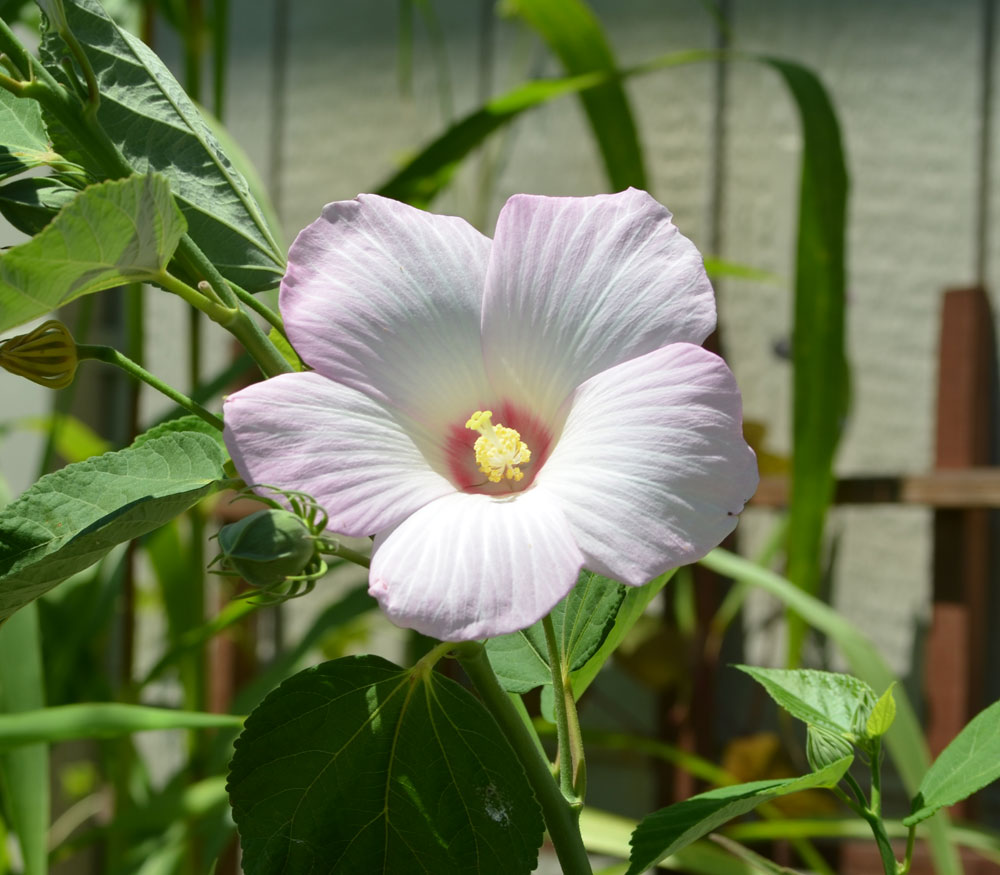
824	748
267	547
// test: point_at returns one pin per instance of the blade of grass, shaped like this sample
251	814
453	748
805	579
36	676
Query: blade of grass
574	34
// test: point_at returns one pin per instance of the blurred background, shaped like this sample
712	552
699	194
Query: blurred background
327	100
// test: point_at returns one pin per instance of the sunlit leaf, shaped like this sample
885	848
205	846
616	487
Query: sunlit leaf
968	764
667	831
71	518
581	622
110	234
24	142
150	118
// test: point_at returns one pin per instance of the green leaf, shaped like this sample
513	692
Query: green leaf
358	765
606	833
905	739
24	142
180	425
820	372
29	204
633	606
581	621
574	34
100	720
110	234
71	518
152	121
668	830
836	702
428	173
968	764
882	714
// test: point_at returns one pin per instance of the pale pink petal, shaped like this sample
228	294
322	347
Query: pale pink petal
387	299
367	466
652	469
474	566
578	285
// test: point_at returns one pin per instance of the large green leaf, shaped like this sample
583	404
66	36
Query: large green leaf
110	234
968	764
152	121
358	765
836	702
31	202
581	621
71	518
905	739
574	34
821	379
669	830
24	142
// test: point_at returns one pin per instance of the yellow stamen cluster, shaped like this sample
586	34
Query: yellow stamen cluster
499	450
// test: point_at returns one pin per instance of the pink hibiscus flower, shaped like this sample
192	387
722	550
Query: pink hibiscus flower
501	414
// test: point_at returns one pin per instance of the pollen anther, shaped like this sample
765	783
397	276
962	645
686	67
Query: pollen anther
499	450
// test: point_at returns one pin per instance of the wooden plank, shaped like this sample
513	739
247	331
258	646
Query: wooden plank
948	488
956	643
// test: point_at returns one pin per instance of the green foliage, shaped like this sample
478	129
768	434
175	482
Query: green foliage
820	374
71	518
24	142
667	831
29	204
574	34
111	233
835	702
266	547
968	764
358	765
100	720
581	621
156	126
882	716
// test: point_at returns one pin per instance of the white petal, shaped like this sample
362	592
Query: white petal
387	299
367	466
652	469
474	566
578	285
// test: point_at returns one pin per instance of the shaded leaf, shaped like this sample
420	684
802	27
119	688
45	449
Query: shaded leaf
820	382
358	765
150	118
29	204
110	234
24	142
836	702
667	831
581	622
71	518
968	764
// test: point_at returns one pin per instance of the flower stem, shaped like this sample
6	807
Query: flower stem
111	356
260	308
560	817
331	547
572	772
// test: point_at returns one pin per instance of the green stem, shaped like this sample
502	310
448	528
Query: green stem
260	308
11	46
859	794
111	356
876	769
908	859
572	774
208	304
335	548
560	816
874	821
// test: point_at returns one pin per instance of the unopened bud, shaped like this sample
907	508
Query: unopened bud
46	356
267	547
